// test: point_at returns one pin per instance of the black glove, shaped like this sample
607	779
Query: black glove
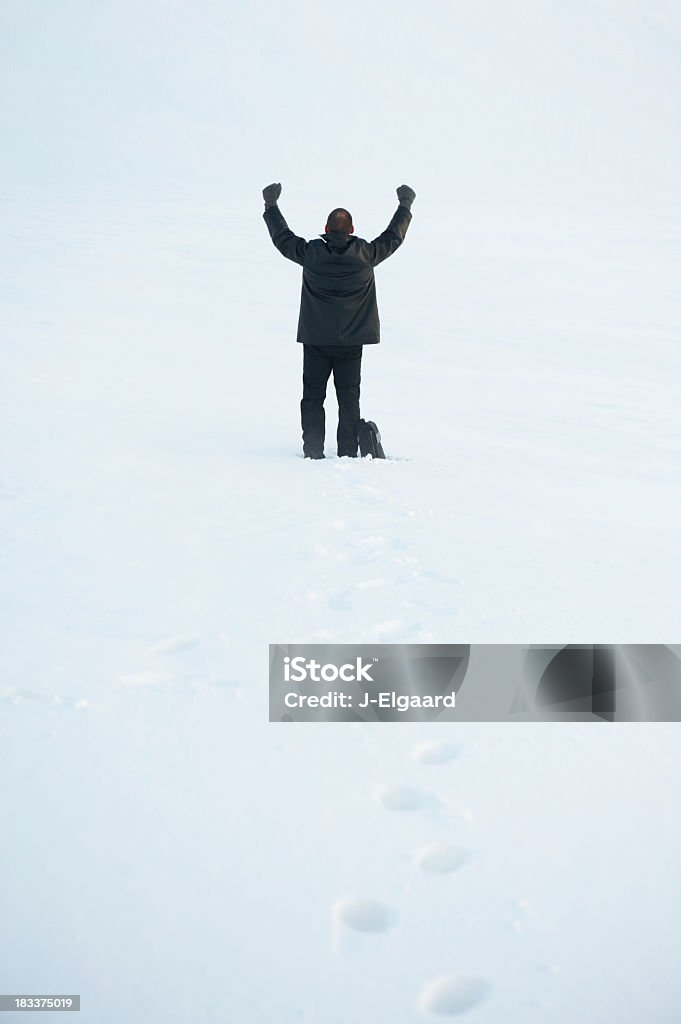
270	194
406	196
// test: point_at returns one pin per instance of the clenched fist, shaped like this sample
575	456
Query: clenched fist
270	194
406	196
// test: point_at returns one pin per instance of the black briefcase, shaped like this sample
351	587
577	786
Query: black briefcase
369	440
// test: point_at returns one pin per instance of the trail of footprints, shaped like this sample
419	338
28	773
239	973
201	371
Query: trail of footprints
377	535
366	536
450	994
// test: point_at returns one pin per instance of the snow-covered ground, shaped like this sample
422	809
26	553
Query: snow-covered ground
167	853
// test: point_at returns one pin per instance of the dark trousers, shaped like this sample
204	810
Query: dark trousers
318	362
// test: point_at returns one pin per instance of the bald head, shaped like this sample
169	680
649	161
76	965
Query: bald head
340	220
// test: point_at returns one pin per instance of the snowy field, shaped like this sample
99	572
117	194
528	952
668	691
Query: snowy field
166	852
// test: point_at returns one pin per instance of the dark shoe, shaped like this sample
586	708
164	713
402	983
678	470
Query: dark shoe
317	455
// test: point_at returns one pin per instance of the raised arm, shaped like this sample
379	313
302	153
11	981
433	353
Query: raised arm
393	236
289	245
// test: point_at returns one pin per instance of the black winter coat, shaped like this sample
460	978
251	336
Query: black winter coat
338	300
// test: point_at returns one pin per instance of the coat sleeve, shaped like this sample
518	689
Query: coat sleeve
390	239
289	245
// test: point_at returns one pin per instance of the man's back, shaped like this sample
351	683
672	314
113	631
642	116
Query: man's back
338	297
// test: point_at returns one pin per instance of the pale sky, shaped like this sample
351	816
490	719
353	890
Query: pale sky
467	98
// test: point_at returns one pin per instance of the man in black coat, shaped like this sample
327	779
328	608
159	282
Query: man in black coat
338	310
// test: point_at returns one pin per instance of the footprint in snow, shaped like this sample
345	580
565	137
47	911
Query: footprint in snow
364	915
453	994
435	752
353	919
405	798
441	858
